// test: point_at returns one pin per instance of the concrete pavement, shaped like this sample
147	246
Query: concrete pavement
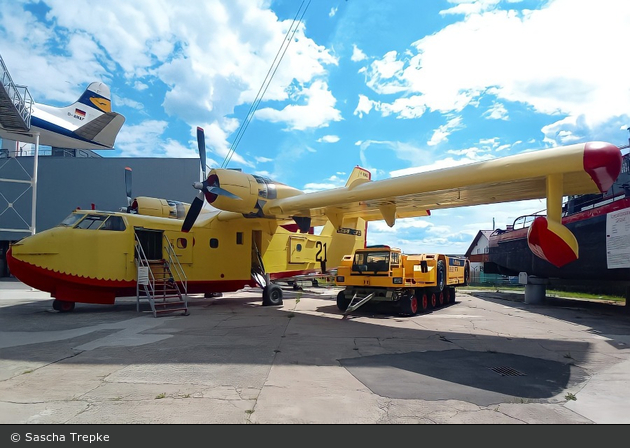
483	360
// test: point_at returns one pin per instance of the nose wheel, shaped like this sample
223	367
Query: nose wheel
63	306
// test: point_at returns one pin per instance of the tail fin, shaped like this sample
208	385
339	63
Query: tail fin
358	176
98	96
105	125
344	240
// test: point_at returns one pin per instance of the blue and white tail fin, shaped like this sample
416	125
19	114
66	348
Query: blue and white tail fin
88	123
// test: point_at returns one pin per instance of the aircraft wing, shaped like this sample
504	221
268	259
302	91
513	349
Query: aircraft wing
576	169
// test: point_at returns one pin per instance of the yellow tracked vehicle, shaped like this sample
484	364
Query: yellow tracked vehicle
414	283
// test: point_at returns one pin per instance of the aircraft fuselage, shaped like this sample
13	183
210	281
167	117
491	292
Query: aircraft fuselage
92	256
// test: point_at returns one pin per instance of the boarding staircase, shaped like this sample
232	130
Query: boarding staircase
162	283
16	103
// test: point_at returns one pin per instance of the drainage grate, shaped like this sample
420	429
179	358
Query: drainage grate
507	371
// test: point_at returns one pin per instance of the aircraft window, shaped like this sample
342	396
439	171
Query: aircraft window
71	220
239	237
182	243
214	243
113	223
91	222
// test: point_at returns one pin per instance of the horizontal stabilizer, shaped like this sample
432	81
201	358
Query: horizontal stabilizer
103	129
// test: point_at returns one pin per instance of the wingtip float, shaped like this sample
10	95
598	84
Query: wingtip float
547	237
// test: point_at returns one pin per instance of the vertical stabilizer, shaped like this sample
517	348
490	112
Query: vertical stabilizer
358	176
345	239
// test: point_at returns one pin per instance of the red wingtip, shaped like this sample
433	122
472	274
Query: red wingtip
602	161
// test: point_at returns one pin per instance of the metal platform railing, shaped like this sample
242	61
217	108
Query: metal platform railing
16	103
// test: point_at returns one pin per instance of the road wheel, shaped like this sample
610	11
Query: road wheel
423	301
433	300
443	297
272	295
408	304
342	302
451	296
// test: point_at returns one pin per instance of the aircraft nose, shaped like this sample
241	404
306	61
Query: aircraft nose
20	269
27	261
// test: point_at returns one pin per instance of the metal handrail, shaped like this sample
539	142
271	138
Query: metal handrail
142	260
174	261
19	95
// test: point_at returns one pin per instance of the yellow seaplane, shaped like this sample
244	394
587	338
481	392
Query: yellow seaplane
258	231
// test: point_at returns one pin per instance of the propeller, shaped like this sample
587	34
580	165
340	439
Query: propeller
128	186
201	144
210	185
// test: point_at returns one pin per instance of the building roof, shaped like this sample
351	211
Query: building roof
484	233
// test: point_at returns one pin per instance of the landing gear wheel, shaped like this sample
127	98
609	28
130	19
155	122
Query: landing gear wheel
62	306
408	304
342	302
272	295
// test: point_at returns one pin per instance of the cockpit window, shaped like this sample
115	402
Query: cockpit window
113	223
91	222
71	220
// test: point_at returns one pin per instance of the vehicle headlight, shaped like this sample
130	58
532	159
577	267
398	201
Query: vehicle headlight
397	280
340	279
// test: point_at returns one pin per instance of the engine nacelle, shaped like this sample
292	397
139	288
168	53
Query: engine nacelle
251	191
159	207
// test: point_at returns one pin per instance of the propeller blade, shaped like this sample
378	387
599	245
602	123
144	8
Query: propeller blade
201	143
221	192
193	212
128	184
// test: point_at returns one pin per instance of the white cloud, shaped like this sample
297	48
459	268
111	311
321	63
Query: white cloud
357	54
441	134
403	151
497	112
140	86
383	75
328	139
364	106
208	64
468	7
146	140
318	109
411	107
545	59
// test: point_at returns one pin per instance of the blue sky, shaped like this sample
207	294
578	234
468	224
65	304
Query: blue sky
395	87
